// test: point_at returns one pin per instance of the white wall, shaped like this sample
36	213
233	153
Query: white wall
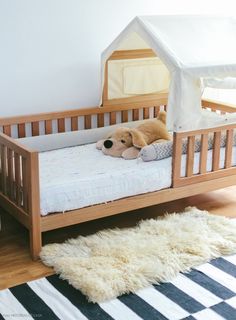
50	49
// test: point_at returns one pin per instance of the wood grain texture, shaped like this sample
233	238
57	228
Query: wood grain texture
17	164
112	118
34	205
145	113
190	156
100	120
48	126
176	159
74	123
21	130
3	155
228	148
132	54
147	100
135	114
10	164
203	153
216	105
216	151
156	111
124	116
88	122
61	125
35	128
7	130
105	85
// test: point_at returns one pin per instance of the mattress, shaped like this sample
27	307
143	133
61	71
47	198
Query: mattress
76	177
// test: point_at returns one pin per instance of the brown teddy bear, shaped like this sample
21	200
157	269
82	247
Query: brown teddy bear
127	142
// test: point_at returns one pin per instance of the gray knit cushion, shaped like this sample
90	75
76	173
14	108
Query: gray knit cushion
162	150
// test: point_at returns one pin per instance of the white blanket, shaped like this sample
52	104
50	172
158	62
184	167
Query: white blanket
76	177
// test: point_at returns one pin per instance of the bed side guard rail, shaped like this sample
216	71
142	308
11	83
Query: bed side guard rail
19	181
80	119
217	106
203	155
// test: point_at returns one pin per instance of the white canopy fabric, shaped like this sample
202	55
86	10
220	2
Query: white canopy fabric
198	51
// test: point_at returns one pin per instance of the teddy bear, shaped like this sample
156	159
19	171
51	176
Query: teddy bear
126	142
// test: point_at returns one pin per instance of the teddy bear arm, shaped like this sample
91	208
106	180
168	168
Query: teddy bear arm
130	153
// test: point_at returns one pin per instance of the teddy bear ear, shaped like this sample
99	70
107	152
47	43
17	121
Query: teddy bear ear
137	138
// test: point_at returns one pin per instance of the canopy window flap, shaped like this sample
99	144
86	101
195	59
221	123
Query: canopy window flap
131	77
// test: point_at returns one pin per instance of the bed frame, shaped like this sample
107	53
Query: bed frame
19	168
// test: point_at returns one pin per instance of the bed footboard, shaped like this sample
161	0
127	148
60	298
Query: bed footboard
19	187
200	172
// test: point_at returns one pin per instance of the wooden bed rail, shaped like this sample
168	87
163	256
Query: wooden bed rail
19	181
218	106
203	174
71	120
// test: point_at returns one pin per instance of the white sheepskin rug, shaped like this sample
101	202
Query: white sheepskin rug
113	262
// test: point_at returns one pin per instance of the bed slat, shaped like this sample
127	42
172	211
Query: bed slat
61	125
4	169
7	130
124	116
88	122
216	151
176	159
190	155
48	126
228	148
145	113
21	130
203	153
156	111
74	123
25	184
18	179
10	173
135	114
35	128
100	120
112	118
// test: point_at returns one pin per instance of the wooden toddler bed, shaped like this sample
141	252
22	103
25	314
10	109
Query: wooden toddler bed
145	62
19	166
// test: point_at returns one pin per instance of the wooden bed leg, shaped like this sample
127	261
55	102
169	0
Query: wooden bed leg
34	207
35	242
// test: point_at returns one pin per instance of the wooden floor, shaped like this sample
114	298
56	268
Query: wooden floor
16	266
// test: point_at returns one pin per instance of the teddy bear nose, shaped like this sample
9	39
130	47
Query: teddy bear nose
108	144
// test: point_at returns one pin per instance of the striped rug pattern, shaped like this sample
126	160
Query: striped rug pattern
208	292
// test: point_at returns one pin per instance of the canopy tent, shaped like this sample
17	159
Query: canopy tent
192	52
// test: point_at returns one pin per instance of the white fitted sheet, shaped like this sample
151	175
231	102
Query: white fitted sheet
76	177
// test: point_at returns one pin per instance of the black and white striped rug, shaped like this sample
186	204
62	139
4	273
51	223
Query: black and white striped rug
208	292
